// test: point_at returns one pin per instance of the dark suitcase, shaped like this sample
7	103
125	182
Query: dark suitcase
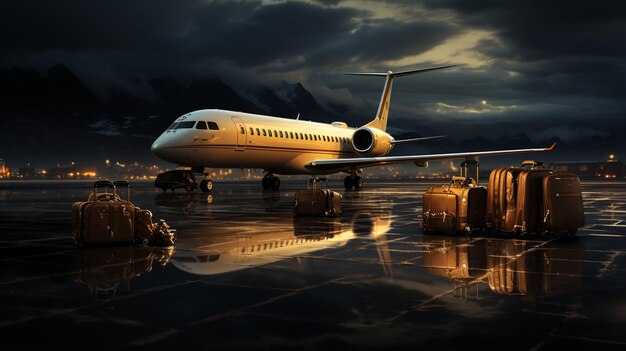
318	202
459	206
529	201
562	202
102	222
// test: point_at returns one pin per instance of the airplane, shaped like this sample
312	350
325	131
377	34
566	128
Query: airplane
216	138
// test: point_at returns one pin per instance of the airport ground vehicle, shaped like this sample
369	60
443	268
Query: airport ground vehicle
178	178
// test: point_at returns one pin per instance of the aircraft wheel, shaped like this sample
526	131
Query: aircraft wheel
206	185
265	183
358	183
347	183
275	183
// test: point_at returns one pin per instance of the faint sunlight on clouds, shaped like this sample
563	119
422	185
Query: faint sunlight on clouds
482	106
457	50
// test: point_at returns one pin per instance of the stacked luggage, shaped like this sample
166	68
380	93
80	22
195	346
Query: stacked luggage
107	219
527	199
317	200
532	199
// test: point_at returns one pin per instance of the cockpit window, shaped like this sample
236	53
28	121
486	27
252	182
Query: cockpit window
213	126
201	125
185	125
172	126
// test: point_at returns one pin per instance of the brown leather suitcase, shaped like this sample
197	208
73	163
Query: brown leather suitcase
459	206
439	210
502	196
317	202
104	221
508	199
528	218
562	202
78	207
493	199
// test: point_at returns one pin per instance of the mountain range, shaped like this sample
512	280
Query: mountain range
53	117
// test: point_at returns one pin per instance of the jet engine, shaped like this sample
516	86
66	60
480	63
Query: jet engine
368	141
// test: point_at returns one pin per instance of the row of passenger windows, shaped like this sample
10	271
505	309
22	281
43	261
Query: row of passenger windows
295	135
190	124
258	131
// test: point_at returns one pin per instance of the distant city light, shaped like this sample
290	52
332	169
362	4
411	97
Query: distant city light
484	102
612	156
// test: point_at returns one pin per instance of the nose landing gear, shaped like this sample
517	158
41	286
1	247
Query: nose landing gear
206	185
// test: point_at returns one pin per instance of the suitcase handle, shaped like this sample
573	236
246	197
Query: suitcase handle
532	164
119	183
103	183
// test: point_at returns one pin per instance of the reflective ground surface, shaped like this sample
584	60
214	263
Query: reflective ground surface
246	273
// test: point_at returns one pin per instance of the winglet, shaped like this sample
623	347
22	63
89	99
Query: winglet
551	147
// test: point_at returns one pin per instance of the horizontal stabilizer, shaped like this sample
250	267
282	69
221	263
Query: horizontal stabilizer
400	74
417	139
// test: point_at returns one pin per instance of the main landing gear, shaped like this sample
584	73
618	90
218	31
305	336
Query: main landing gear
353	181
270	182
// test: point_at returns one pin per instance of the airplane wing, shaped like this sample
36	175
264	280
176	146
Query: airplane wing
341	164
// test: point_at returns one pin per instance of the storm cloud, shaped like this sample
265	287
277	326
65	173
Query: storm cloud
535	67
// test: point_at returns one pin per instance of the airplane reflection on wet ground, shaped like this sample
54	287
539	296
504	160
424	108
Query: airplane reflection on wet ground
246	273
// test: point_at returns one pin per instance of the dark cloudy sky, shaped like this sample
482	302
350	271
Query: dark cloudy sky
540	67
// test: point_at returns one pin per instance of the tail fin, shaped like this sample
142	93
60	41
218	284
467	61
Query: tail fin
380	121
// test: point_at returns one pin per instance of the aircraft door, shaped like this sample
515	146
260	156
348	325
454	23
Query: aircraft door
242	134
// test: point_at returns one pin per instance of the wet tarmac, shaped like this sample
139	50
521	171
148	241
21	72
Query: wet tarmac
246	273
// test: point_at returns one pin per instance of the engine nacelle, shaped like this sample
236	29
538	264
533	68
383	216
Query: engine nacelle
368	141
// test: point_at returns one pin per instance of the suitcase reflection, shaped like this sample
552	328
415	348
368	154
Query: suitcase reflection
105	270
514	267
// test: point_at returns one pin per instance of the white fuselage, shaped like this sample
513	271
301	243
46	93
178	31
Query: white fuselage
244	140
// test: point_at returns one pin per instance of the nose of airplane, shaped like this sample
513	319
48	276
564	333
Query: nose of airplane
158	148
